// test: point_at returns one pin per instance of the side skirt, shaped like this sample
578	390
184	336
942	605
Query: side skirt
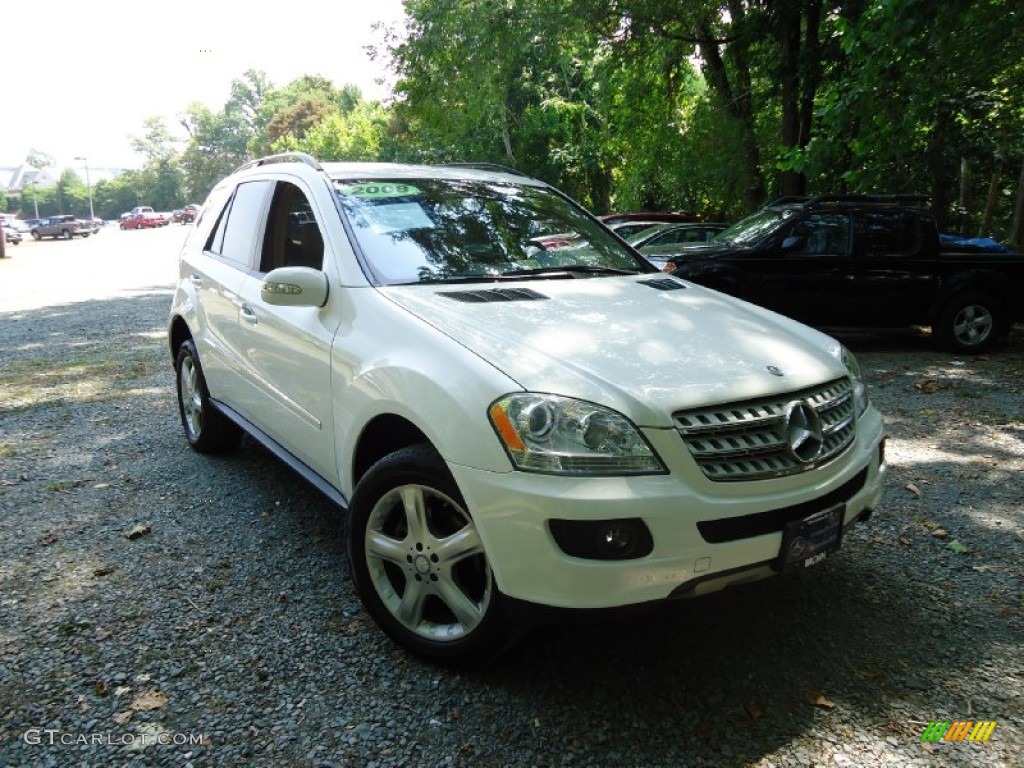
308	474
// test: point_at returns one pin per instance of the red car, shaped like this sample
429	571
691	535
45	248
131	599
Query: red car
144	221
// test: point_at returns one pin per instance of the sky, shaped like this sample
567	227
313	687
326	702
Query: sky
82	78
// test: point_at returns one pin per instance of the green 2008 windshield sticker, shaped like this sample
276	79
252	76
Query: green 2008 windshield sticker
379	190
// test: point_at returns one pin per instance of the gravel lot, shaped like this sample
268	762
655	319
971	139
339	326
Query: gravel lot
230	631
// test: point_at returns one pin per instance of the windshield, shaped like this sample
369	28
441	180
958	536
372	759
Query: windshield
753	229
436	230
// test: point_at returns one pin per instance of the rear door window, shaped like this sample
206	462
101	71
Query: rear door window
239	228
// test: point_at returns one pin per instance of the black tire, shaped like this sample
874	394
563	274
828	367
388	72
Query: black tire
970	323
455	613
85	235
66	234
206	428
36	235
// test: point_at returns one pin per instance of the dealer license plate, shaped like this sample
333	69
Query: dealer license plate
808	541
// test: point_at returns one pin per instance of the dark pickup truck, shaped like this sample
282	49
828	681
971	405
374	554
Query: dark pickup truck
862	261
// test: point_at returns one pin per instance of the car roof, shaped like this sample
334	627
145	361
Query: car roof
352	171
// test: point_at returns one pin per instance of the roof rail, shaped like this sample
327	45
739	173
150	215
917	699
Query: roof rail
284	157
891	199
486	167
810	202
787	200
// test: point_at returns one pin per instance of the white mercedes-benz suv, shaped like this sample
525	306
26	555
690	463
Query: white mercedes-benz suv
509	418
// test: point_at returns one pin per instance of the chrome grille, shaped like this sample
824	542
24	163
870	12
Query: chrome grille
748	440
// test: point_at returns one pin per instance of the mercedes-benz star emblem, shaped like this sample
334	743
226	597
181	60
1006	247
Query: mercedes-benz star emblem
804	432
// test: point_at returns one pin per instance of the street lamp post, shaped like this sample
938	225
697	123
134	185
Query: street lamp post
88	186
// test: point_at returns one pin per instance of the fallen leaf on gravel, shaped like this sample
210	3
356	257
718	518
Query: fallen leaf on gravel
100	486
123	717
957	547
101	688
927	386
913	489
984	568
903	541
147	701
817	699
138	532
103	570
48	539
940	533
755	710
121	690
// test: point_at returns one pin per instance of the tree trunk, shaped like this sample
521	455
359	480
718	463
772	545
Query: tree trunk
787	22
940	181
985	229
738	106
965	197
1017	232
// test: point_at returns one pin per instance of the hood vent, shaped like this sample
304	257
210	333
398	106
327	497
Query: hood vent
496	294
663	284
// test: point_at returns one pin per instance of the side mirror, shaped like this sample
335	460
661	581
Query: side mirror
295	287
794	243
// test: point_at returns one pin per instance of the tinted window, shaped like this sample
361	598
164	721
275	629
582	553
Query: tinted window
888	233
293	236
237	230
823	234
433	229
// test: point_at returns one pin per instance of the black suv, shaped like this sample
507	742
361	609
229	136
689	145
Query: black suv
864	261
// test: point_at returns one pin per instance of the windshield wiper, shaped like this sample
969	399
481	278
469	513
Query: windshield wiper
569	269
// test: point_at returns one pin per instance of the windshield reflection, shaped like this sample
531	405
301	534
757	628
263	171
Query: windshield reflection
752	229
435	230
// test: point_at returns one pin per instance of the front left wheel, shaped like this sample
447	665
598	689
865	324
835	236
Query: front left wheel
418	562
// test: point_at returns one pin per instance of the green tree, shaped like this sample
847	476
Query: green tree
357	135
72	196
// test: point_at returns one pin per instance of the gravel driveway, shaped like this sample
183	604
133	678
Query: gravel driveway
162	608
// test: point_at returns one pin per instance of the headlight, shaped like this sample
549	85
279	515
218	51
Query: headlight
560	435
860	389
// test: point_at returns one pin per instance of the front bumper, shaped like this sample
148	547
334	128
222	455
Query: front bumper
684	512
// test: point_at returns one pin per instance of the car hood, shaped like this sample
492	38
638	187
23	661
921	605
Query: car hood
691	251
625	344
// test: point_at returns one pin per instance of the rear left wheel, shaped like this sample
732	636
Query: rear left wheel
207	429
418	563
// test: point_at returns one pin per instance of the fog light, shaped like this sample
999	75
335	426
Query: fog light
618	538
624	539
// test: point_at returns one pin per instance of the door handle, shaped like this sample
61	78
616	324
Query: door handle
195	279
248	314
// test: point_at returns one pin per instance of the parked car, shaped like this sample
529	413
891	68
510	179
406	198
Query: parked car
12	235
674	217
863	261
65	227
19	226
189	213
148	220
660	243
503	424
